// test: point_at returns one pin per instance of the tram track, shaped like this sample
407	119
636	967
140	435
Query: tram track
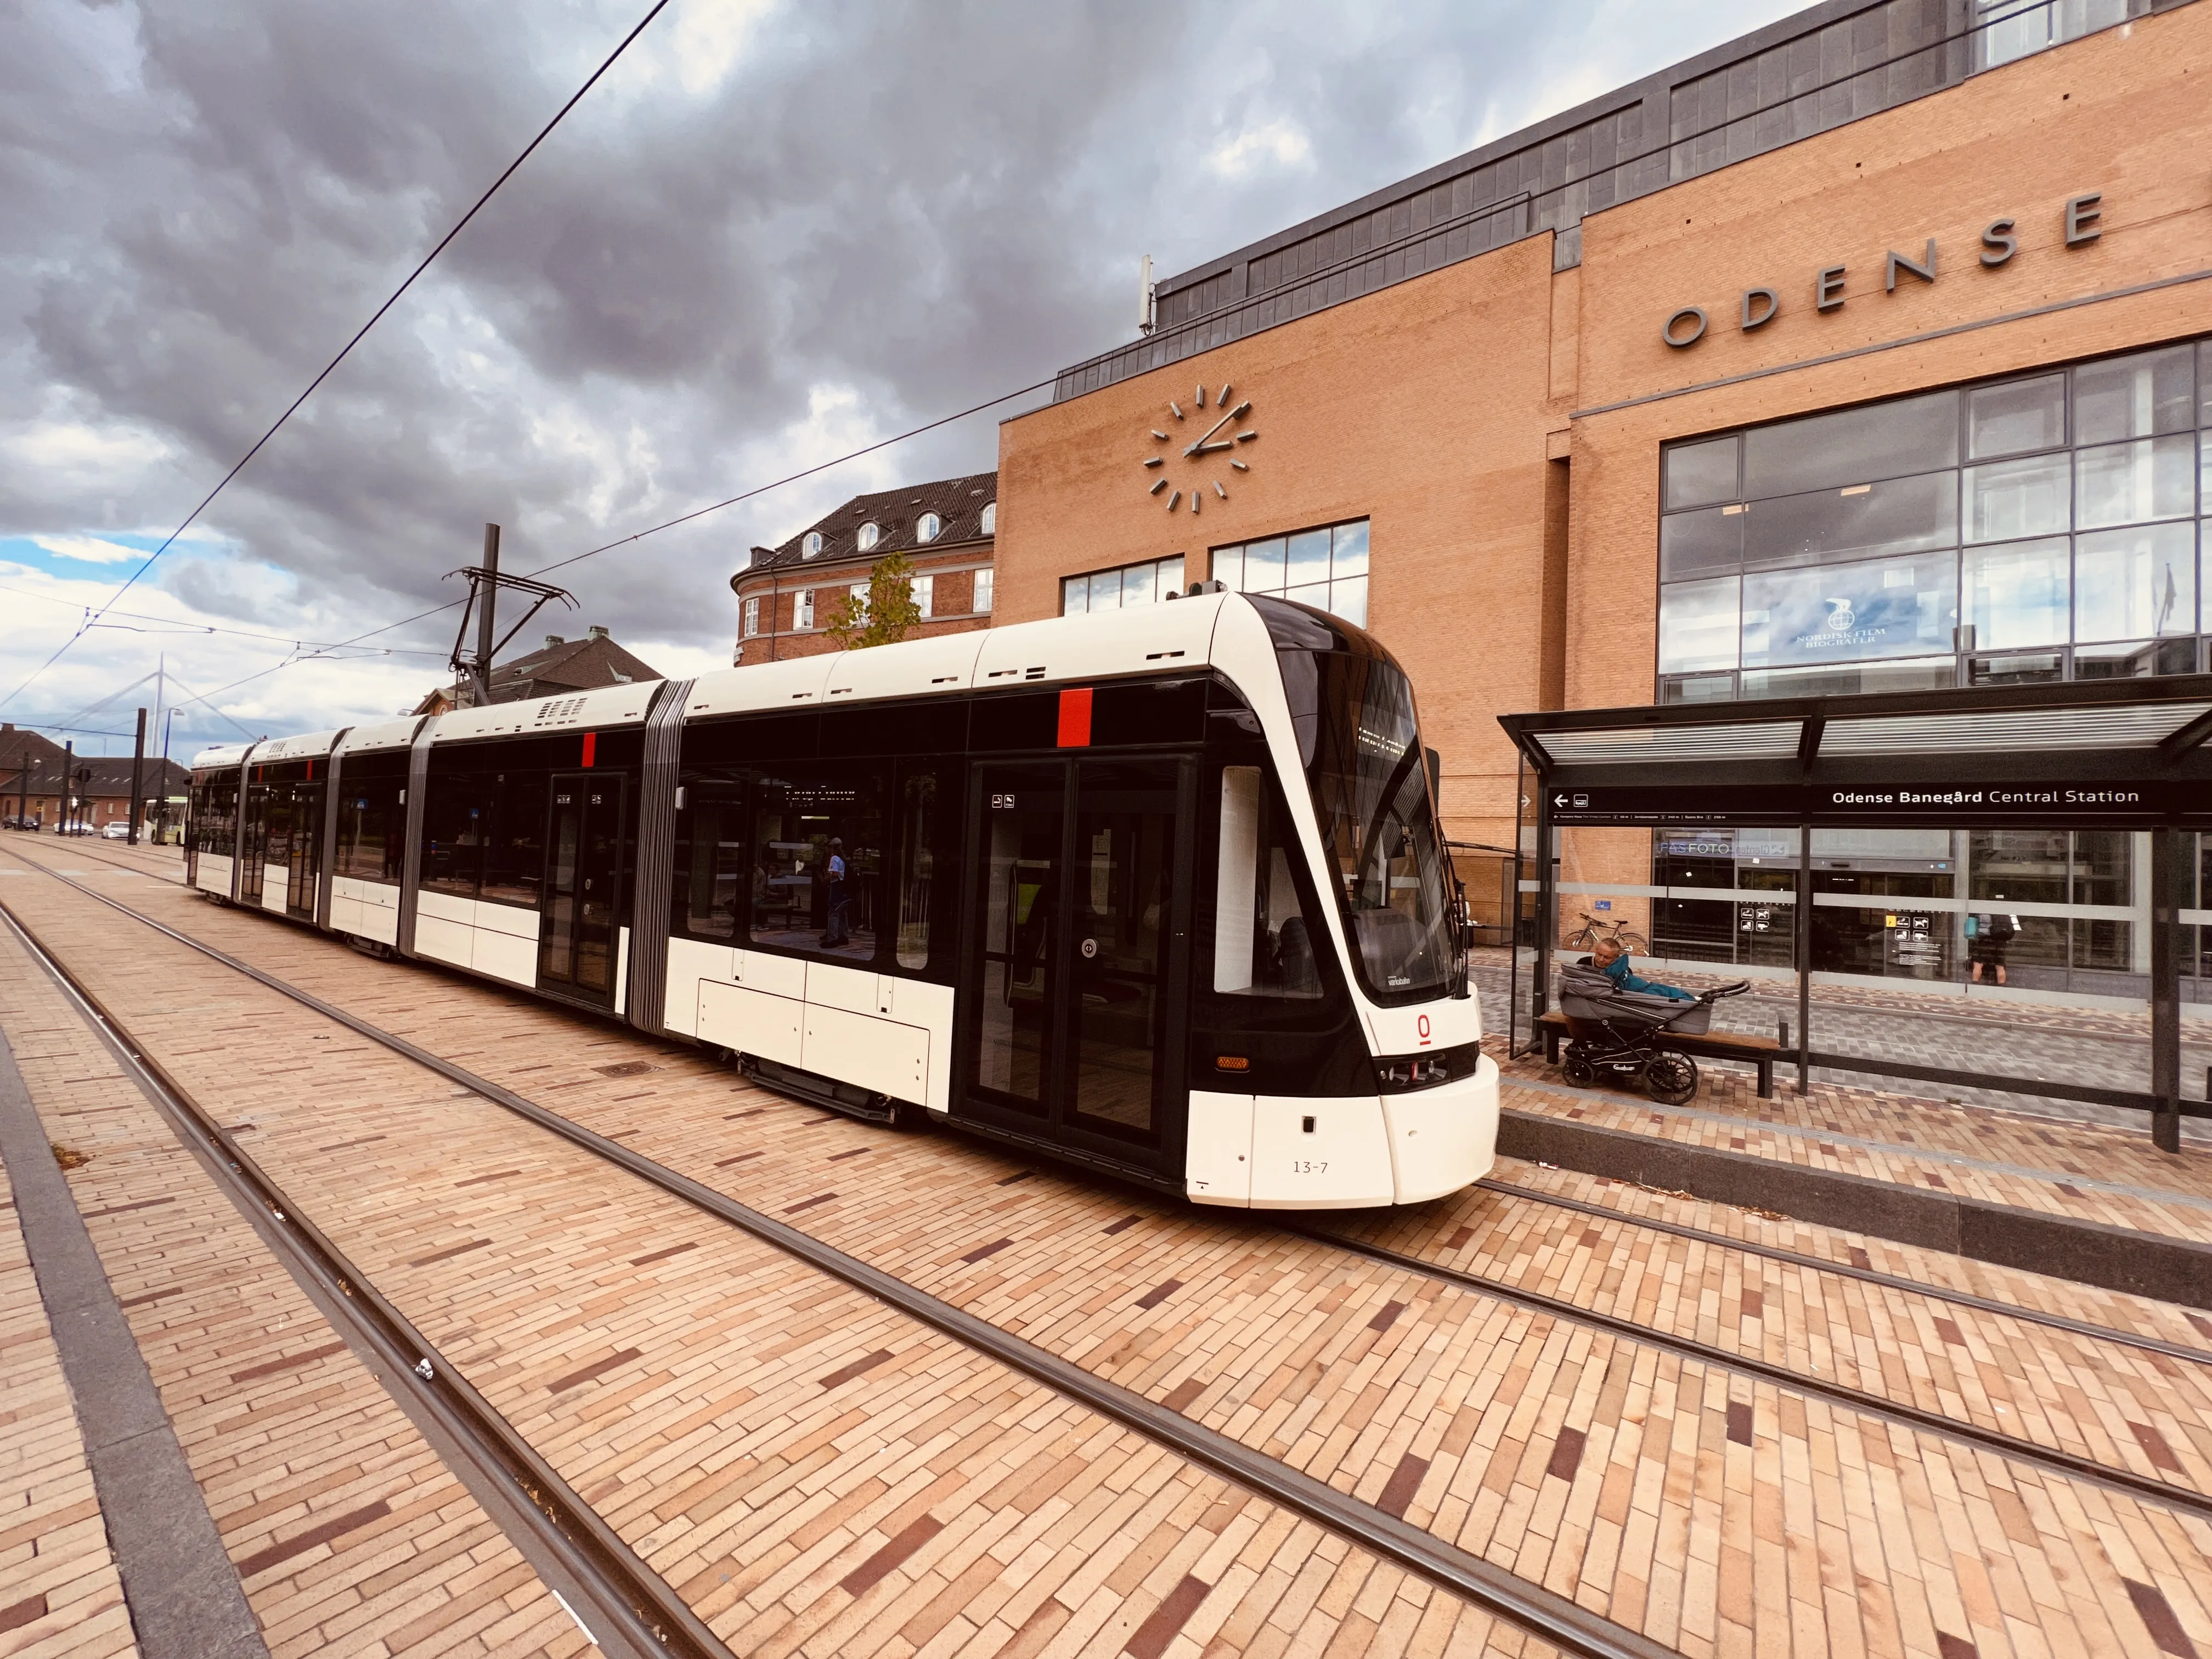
1554	1618
625	1599
1148	1417
1749	1247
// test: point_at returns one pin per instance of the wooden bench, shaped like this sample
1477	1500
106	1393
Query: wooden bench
1759	1051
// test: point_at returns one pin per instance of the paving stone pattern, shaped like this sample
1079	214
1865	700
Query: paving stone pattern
60	1591
813	1471
349	1533
1715	1516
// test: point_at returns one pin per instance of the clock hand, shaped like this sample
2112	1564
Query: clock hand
1217	425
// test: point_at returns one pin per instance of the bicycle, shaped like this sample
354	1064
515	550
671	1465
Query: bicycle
1595	929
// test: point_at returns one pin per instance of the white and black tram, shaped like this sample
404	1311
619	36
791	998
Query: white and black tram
1161	891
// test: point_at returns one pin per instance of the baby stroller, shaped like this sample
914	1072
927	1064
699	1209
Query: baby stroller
1623	1034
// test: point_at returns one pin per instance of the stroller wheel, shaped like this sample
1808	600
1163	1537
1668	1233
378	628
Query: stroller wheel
1671	1078
1578	1067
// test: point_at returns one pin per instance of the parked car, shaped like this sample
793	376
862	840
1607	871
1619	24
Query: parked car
73	827
17	821
115	829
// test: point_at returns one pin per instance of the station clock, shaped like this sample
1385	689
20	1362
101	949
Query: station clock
1199	448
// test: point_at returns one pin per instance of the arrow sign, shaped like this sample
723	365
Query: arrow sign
1558	800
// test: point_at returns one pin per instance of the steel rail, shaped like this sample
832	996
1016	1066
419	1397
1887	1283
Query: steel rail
1775	1252
1542	1612
626	1598
1215	1451
1849	1270
1994	1441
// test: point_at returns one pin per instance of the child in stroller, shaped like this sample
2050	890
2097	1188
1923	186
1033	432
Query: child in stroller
1623	1034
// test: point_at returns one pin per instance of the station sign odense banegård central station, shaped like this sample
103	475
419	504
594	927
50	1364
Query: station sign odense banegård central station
2041	801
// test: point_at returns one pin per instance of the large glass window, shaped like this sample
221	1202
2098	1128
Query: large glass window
2074	499
1326	568
372	817
1114	590
711	884
455	822
515	839
817	847
1263	943
2017	593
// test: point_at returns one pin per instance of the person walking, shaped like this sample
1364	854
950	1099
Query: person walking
1988	937
838	931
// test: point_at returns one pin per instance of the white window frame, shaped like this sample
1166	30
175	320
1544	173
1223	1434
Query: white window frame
928	527
980	603
802	608
752	619
924	590
990	518
811	548
870	534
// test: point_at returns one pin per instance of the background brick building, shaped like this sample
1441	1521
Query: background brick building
1872	350
947	528
33	770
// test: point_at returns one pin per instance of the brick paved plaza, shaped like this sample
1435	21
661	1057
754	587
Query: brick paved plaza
814	1473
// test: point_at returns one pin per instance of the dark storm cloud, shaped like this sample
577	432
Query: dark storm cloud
920	205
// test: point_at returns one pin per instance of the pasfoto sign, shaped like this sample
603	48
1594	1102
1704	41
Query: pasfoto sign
2163	800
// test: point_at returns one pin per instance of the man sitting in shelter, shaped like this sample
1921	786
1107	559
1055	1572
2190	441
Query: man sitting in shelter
1609	959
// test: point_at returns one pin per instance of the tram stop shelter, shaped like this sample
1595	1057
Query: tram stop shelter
2130	755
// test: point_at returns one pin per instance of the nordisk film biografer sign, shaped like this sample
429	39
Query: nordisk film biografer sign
2080	221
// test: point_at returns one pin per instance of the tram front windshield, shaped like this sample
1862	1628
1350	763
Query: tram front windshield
1353	711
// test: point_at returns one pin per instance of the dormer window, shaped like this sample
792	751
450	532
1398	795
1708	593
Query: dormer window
868	537
927	527
811	547
991	519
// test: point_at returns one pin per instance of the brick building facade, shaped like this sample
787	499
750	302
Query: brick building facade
36	780
1873	350
787	596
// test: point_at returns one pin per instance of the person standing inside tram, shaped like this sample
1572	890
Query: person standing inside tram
1988	937
839	932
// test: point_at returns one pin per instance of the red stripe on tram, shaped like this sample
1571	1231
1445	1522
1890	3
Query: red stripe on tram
591	746
1075	718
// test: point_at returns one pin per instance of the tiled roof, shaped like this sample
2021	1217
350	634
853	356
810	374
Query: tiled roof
584	665
111	777
958	502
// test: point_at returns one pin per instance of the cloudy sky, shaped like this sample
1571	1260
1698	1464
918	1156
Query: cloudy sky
772	233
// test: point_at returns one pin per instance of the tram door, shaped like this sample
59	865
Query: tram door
576	939
1076	979
256	807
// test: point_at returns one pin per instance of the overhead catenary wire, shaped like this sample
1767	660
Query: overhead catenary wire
359	334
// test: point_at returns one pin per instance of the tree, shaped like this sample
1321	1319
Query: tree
881	616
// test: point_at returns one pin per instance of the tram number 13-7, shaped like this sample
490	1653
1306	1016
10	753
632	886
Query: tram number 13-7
1308	1166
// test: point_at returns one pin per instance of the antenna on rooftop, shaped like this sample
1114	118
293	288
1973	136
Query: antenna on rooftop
1146	308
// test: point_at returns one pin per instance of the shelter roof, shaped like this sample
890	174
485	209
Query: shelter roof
1938	748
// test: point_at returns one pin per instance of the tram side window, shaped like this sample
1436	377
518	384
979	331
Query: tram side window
453	826
515	839
215	817
1263	941
372	825
712	874
810	822
920	824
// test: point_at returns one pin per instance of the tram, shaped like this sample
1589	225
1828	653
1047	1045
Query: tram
1160	891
